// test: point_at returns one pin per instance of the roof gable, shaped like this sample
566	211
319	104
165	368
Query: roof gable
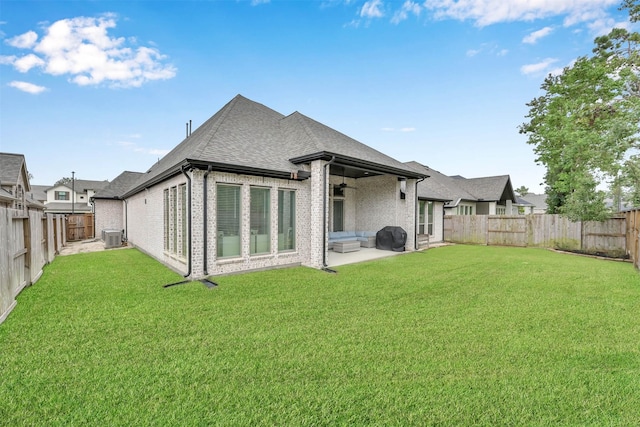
119	186
11	167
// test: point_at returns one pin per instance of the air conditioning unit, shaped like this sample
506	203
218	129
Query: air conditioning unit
112	238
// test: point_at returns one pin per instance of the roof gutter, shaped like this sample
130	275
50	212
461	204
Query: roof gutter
358	163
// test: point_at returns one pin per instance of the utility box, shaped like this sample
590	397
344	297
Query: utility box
112	238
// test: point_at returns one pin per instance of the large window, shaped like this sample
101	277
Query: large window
338	215
260	221
61	195
286	220
425	217
228	220
175	221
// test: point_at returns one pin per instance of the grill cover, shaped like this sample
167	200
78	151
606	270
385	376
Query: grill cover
391	238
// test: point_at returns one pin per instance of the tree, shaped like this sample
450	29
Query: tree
585	126
63	181
522	190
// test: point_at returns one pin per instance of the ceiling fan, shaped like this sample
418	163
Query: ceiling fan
344	184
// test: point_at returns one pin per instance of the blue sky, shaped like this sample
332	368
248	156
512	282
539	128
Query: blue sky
99	87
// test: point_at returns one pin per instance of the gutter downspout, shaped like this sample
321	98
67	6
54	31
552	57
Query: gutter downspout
126	220
189	219
324	215
204	224
417	214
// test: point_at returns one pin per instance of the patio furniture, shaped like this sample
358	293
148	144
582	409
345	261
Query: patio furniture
367	239
346	246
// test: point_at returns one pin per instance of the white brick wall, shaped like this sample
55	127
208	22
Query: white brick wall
375	204
109	215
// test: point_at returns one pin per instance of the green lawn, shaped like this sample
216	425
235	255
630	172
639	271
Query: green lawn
458	335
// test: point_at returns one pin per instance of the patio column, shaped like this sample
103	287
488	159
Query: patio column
319	213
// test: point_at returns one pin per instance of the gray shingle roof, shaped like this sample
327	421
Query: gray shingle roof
490	188
119	186
439	186
82	185
10	167
456	188
537	200
247	136
39	192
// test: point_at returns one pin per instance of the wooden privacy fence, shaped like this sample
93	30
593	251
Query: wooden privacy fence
28	241
80	227
633	235
608	238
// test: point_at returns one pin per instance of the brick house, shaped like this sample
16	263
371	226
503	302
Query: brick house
252	188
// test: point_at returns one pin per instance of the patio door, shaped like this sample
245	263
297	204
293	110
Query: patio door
338	215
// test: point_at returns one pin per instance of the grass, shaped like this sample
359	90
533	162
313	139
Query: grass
459	335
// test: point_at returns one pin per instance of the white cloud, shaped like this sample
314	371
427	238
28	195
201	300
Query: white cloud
132	146
259	2
538	67
487	12
23	41
82	48
371	9
473	52
537	35
408	7
27	87
27	62
406	129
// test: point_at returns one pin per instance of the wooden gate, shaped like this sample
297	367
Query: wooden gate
80	227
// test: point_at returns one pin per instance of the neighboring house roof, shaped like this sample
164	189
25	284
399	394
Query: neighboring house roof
488	189
118	186
457	188
82	185
539	201
11	165
6	196
250	138
66	207
39	192
522	202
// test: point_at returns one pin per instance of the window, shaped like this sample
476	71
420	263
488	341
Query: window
286	220
228	220
260	220
166	220
61	195
425	217
175	221
421	213
430	218
338	215
183	219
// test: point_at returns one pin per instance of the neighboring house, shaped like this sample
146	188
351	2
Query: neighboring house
522	207
467	196
493	195
39	193
252	188
73	197
14	182
433	194
538	202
